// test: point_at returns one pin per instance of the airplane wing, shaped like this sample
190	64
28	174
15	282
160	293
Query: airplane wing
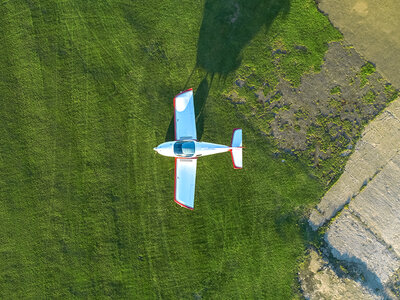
185	121
185	180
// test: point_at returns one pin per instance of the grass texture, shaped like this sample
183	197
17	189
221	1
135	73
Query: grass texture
86	205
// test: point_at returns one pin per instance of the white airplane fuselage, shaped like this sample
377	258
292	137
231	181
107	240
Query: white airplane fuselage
190	149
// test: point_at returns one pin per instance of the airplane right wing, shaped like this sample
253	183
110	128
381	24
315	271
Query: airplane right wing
185	181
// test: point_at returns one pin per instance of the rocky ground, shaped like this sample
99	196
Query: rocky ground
320	280
379	144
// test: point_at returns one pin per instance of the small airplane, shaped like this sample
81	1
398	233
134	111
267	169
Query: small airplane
186	149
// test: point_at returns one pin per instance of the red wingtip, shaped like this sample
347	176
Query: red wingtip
233	162
188	90
183	205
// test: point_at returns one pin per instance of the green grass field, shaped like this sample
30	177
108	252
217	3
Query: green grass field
86	205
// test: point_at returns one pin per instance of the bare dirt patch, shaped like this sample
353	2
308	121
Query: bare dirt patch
372	27
361	7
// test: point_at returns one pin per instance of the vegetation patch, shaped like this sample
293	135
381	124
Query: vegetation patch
390	92
370	97
318	124
335	90
366	70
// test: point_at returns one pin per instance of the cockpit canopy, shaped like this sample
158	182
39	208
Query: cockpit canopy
184	149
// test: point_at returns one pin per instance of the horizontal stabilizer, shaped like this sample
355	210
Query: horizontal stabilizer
236	151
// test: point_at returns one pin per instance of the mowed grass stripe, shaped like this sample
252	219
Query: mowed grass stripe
30	120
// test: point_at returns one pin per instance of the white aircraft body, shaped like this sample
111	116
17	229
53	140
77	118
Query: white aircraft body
186	149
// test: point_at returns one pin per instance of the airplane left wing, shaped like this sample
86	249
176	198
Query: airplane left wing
185	120
185	180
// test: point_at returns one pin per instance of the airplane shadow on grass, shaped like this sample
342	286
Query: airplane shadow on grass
227	27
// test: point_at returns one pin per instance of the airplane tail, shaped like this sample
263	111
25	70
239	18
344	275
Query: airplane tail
236	151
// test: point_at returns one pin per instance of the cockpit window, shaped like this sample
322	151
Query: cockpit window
185	149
